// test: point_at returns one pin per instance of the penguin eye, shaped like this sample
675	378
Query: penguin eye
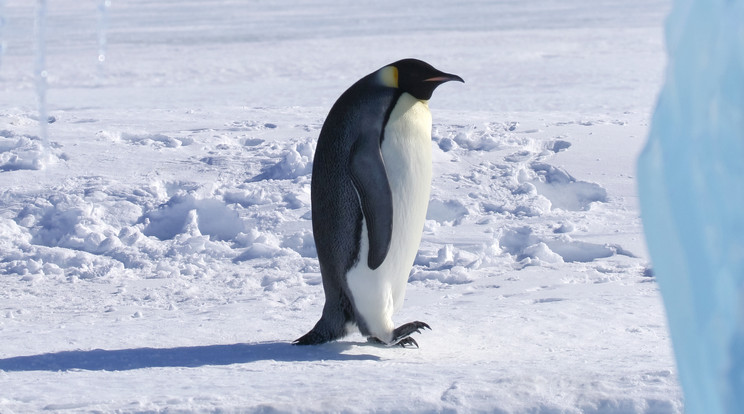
389	76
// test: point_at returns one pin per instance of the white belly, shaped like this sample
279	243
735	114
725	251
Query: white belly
406	151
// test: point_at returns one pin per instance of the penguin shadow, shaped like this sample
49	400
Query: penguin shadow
181	357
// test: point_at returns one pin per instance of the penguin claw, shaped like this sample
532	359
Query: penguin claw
401	343
420	326
409	328
407	341
402	335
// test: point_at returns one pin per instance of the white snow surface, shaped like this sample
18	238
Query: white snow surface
159	256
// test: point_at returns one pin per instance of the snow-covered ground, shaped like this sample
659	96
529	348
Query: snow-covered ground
162	259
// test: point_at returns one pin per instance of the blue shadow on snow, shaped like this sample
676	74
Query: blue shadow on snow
188	357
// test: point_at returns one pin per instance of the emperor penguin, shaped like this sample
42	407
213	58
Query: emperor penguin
370	189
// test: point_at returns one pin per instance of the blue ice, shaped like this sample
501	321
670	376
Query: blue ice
691	184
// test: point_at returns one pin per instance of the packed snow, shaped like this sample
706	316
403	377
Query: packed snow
157	254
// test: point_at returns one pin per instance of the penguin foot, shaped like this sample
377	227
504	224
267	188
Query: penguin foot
402	335
407	341
405	330
401	343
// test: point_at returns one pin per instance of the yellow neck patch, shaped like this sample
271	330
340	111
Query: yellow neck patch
389	76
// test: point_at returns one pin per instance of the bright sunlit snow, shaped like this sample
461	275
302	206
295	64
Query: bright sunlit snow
158	254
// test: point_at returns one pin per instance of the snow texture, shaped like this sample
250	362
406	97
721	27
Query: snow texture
160	256
691	176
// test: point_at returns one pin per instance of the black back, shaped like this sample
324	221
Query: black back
354	126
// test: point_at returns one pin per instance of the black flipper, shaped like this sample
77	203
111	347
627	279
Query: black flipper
371	183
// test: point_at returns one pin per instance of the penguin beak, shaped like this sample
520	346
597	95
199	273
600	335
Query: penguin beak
444	77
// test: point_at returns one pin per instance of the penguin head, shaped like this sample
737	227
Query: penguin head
415	77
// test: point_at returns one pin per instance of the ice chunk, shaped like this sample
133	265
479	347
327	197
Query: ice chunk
691	183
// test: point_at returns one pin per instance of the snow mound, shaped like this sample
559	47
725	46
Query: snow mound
251	197
520	200
21	152
454	276
107	230
563	190
213	217
156	140
529	249
76	222
301	242
491	136
448	212
260	245
448	257
297	161
250	126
